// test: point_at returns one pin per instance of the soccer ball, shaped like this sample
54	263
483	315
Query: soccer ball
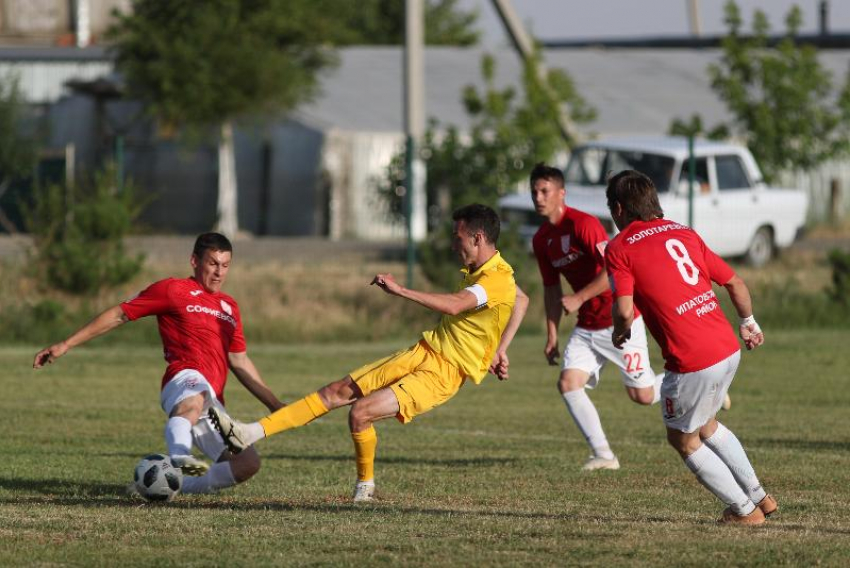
157	479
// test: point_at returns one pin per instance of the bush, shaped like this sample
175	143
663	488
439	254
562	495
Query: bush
79	240
840	263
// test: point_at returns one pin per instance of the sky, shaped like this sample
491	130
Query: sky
598	19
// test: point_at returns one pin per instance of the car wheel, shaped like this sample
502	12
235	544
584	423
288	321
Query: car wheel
761	248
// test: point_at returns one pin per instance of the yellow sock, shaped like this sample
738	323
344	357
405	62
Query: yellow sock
365	443
294	415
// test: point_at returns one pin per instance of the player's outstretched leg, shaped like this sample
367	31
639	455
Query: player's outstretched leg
728	448
237	435
178	435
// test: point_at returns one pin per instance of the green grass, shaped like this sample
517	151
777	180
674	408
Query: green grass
491	478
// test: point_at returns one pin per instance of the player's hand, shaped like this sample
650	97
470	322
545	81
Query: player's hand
752	335
551	351
500	364
570	303
619	338
48	355
387	283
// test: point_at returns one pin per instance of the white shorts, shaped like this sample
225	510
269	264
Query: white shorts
690	400
588	350
184	384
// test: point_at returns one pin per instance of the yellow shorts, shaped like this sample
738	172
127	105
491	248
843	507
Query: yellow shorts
420	378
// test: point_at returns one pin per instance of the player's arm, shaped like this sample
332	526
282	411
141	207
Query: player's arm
748	328
623	314
499	366
103	323
572	302
249	376
552	302
450	304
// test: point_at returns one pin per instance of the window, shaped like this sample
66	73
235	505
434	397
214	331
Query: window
731	173
701	184
585	167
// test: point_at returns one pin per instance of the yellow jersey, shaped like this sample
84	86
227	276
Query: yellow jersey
469	340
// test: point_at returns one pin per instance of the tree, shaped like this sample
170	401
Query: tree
508	135
203	65
17	151
782	100
381	22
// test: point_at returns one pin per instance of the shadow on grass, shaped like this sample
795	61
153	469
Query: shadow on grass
61	488
463	462
805	445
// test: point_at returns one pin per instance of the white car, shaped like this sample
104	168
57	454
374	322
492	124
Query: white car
733	210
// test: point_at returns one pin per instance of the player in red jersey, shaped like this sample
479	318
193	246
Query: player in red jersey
664	269
201	333
572	244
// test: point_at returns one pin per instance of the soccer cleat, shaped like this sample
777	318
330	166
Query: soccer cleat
731	518
768	505
727	402
230	430
363	491
595	463
190	465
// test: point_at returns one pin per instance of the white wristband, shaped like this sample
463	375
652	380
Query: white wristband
750	321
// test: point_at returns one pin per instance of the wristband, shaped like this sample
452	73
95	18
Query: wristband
750	321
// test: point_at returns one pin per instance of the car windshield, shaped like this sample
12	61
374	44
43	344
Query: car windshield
591	166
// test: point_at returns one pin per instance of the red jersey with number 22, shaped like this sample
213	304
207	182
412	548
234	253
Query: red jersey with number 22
198	329
668	270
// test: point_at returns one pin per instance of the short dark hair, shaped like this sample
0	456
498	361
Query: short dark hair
211	241
479	217
636	194
542	171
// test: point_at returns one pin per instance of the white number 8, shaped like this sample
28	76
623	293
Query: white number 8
687	268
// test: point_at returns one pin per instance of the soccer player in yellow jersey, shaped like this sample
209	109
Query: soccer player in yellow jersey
479	321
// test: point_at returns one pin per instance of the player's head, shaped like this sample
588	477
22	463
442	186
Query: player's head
211	260
547	189
476	228
632	197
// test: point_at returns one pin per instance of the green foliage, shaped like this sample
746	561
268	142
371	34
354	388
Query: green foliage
17	151
781	98
840	263
382	22
508	135
201	63
78	234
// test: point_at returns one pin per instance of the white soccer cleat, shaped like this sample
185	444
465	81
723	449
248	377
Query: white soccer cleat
596	462
190	465
727	402
231	430
364	491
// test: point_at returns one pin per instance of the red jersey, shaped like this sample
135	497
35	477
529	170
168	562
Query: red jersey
575	247
668	270
198	329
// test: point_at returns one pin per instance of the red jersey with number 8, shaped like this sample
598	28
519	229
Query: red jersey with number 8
668	270
198	328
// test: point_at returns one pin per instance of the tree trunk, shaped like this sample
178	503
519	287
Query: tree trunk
228	221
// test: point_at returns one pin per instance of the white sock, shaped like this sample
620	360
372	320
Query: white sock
254	432
726	445
178	436
218	477
587	419
716	477
656	388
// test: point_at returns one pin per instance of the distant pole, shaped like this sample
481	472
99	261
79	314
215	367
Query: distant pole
414	126
524	45
824	18
119	164
692	175
693	18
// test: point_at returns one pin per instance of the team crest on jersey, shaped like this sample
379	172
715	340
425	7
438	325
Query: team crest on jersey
226	307
565	243
601	247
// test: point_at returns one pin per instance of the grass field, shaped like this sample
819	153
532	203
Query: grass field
491	478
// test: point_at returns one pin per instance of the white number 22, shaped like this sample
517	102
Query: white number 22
687	268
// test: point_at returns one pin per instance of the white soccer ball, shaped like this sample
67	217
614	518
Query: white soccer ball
157	479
